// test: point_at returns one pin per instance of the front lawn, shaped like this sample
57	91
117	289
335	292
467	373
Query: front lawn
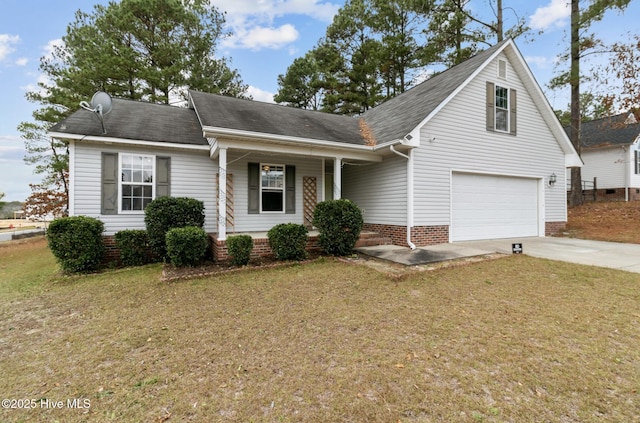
509	340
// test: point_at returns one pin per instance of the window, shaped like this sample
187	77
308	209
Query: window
637	162
136	181
502	109
272	187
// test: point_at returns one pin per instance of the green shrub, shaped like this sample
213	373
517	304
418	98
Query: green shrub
186	246
339	223
239	248
77	243
134	247
166	213
288	241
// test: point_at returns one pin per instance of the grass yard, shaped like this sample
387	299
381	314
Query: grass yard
509	340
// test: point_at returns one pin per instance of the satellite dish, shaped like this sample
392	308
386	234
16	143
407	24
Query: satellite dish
101	104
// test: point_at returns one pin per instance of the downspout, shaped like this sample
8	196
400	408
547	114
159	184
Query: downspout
409	158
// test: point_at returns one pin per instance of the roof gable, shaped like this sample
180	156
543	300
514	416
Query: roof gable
400	115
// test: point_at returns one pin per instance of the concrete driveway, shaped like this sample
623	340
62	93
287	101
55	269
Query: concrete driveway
596	253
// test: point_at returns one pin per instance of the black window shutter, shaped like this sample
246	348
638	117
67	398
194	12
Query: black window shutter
109	189
512	115
254	188
491	98
163	176
290	189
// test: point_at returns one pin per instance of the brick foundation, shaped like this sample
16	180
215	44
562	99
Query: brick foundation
420	235
261	247
610	194
111	252
554	228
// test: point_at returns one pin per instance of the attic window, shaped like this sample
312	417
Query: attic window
502	69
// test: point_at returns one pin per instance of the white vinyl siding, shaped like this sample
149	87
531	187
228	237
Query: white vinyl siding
457	139
379	189
609	165
237	165
193	174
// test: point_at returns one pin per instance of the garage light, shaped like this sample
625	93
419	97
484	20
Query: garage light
552	179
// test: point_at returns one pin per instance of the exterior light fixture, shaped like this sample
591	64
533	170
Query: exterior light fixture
552	179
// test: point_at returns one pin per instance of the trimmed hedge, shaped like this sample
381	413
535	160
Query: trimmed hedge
339	223
239	248
288	241
77	243
186	246
134	247
166	213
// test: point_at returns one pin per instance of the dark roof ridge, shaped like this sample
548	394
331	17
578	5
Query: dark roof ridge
269	104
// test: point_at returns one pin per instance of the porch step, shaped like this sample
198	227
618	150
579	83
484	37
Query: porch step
371	239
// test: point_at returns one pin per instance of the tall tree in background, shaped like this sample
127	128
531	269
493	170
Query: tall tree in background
581	44
455	33
622	75
374	49
300	86
149	50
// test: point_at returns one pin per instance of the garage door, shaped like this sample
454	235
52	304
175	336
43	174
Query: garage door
489	207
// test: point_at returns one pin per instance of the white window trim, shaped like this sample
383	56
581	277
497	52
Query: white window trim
284	188
120	182
495	109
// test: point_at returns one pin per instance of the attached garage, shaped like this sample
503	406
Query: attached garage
492	206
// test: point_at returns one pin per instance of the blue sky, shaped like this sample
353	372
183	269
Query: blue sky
269	35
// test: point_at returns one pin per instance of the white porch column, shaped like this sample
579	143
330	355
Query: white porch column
222	194
337	178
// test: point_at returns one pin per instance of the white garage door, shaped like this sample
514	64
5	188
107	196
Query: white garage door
489	207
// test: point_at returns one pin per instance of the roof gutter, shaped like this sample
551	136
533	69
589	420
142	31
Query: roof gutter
409	158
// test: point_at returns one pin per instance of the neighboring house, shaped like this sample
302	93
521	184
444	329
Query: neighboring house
468	154
610	153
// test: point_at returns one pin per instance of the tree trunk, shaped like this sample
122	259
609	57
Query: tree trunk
576	198
500	23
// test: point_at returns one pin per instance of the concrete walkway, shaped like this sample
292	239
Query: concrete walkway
595	253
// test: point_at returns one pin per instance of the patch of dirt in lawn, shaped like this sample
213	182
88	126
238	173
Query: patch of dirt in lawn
610	221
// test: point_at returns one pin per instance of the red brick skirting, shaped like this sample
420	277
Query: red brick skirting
261	247
554	228
420	235
111	252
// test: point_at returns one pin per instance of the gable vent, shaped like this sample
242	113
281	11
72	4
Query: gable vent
502	69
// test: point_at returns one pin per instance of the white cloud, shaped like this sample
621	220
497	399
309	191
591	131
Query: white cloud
541	62
22	61
267	10
51	46
258	37
260	95
6	44
555	14
252	20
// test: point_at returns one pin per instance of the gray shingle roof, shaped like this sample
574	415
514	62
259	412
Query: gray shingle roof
389	121
400	115
137	120
232	113
607	132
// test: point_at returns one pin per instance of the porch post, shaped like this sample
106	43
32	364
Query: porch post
222	194
337	178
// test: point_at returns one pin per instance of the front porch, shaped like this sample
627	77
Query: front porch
261	243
